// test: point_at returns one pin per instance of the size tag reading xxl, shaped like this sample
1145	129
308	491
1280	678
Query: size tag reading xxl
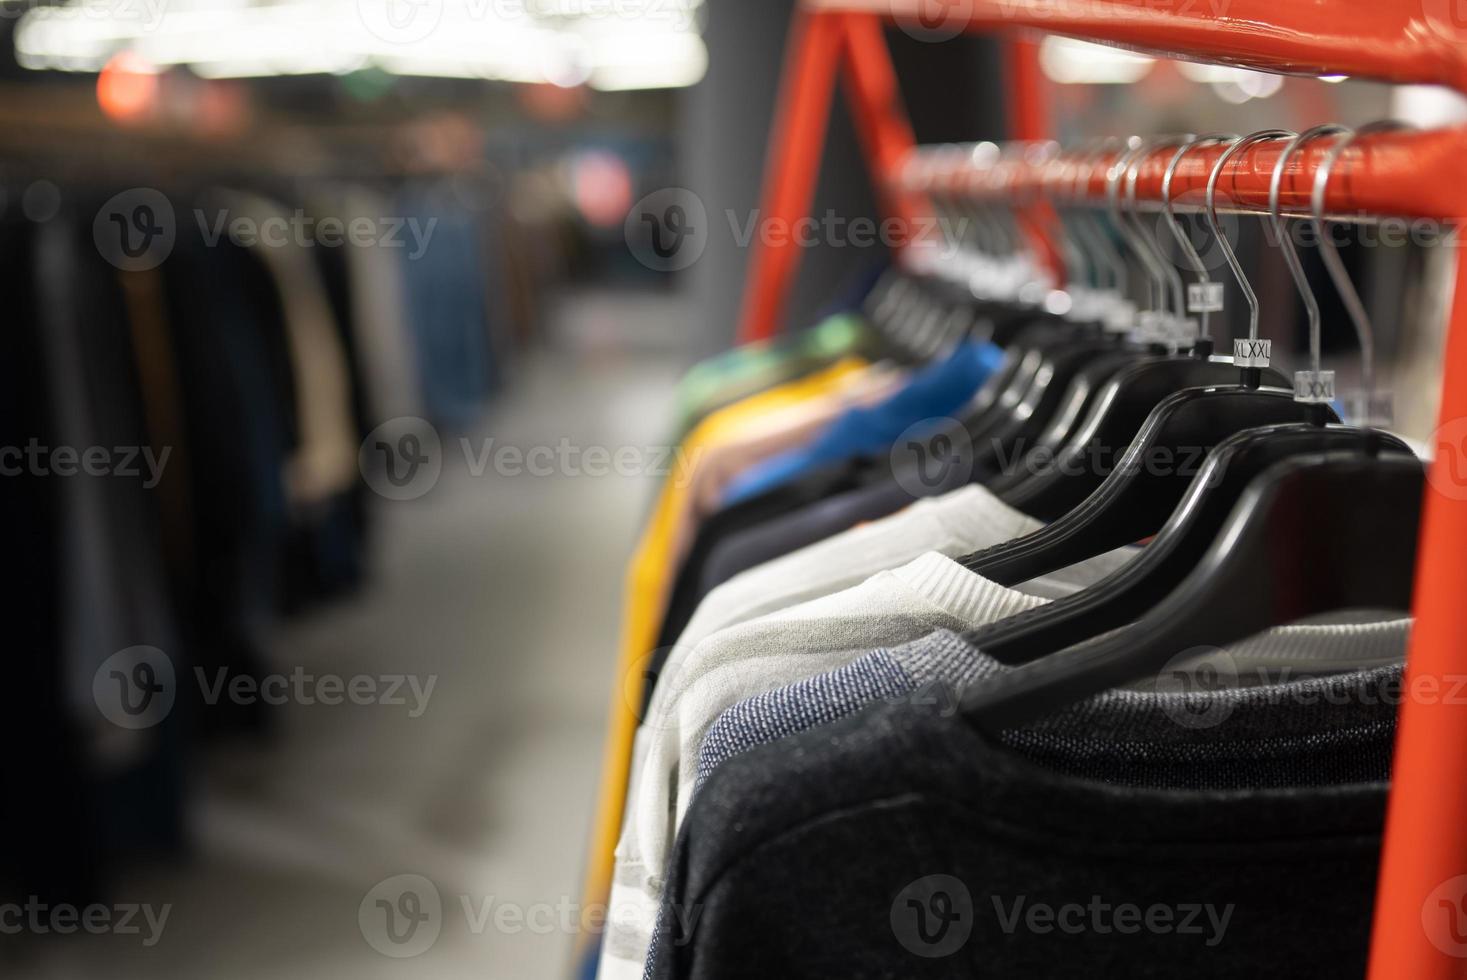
1314	387
1252	353
1204	297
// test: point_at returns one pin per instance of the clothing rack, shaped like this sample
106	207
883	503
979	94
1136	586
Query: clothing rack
1407	174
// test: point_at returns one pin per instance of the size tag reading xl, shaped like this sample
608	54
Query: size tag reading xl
1252	353
1204	297
1314	387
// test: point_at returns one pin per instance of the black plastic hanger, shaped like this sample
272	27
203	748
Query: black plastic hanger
1132	502
1312	535
1067	416
1180	545
1051	488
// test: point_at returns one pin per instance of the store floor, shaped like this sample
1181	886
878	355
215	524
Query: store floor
504	590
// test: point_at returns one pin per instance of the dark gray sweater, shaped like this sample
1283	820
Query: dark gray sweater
899	842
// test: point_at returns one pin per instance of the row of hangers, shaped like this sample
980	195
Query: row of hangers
1292	513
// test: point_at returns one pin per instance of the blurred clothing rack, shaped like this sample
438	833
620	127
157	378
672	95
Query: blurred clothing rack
1402	174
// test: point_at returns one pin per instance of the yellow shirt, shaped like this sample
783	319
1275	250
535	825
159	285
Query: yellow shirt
649	580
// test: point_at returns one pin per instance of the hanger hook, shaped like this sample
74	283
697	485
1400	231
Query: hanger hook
1336	268
1163	269
1286	244
1129	225
1113	175
1222	238
1183	241
1090	222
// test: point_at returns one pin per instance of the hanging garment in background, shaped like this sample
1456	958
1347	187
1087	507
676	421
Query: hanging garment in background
228	335
749	369
379	319
324	463
934	393
443	281
721	459
50	845
116	592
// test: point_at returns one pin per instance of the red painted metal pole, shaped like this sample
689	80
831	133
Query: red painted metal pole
792	165
1423	882
881	118
1029	119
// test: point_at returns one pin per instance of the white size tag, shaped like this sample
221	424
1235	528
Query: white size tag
1204	297
1185	332
1314	387
1376	411
1252	353
1121	317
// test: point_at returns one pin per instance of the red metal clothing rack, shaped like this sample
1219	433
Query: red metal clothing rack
1423	879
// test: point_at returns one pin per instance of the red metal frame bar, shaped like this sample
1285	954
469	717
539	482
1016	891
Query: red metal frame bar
1413	174
819	41
1406	43
816	46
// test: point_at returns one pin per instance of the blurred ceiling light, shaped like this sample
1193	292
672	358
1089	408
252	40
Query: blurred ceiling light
616	44
602	188
1071	62
1235	85
127	88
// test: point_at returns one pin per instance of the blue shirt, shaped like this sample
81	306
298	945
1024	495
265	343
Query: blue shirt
937	391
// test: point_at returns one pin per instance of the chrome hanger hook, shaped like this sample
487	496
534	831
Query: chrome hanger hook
1113	175
1090	224
1286	244
1162	265
1255	352
1336	268
1183	241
